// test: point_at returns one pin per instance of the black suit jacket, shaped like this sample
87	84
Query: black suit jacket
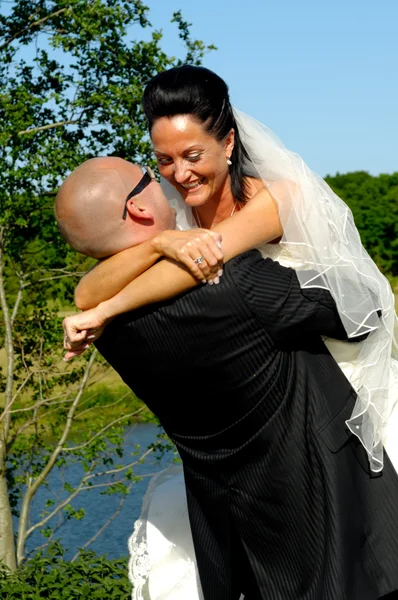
243	384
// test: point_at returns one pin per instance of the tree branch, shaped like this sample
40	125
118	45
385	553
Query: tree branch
83	487
49	126
32	489
118	469
31	26
99	433
9	343
19	390
53	278
114	403
61	523
56	510
49	402
106	524
54	401
18	299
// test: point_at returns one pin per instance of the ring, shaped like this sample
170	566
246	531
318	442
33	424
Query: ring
199	260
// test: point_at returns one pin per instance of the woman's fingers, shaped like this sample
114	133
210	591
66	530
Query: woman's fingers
212	241
73	353
75	348
77	326
192	265
205	255
198	249
81	330
73	337
205	259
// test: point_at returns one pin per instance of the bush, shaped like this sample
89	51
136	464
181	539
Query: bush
47	575
374	204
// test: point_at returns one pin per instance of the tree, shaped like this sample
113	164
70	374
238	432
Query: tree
72	75
374	203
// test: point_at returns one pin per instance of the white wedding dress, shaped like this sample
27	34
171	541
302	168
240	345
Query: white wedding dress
162	556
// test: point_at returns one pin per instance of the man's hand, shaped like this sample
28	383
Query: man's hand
81	330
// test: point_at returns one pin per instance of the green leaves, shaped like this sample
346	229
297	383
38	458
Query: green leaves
47	575
374	203
195	49
72	90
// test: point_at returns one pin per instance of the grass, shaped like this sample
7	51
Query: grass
112	398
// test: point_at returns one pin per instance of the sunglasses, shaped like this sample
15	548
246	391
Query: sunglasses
145	180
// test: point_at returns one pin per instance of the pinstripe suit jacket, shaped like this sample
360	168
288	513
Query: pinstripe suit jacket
281	502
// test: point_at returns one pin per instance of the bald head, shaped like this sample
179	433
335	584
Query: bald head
90	202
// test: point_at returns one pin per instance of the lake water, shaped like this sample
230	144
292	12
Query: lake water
98	508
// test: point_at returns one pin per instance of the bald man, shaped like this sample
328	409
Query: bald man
93	203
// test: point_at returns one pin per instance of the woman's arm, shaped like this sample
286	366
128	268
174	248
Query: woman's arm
257	223
111	275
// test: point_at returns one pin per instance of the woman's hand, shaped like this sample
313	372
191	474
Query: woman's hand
198	249
83	329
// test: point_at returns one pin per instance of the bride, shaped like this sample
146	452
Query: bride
225	167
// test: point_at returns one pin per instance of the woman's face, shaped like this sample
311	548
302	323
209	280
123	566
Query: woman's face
193	161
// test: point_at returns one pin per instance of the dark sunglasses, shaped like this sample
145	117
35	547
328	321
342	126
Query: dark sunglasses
145	180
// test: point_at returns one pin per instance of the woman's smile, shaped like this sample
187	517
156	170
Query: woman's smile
192	186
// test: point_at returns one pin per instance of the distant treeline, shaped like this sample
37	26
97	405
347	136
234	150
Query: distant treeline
374	203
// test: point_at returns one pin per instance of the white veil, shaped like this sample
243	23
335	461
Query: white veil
319	227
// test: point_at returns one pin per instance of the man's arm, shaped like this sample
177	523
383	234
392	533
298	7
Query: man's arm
285	309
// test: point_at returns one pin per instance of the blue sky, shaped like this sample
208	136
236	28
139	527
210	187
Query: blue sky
322	75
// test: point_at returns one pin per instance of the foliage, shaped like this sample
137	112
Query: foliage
72	73
47	575
374	203
71	82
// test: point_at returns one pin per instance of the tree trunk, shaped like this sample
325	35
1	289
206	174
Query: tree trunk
7	544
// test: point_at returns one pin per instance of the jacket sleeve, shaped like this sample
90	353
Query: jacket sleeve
274	295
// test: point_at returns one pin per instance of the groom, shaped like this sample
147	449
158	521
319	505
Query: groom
281	502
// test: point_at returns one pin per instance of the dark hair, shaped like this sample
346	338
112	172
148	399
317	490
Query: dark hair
203	94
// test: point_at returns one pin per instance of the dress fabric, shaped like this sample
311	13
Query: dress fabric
274	480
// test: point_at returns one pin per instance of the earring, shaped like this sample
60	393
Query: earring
229	162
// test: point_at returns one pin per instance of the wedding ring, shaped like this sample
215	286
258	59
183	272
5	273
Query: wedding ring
199	260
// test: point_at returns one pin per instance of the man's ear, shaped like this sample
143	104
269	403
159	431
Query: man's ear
137	213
